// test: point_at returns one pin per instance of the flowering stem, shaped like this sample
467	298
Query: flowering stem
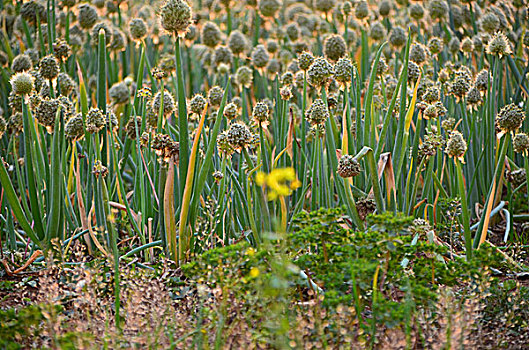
464	208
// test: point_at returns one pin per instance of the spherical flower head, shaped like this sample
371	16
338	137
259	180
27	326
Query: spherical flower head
49	67
510	118
260	56
138	29
342	70
435	45
61	50
286	92
319	72
293	31
197	104
454	45
431	95
30	9
438	9
482	80
66	84
348	166
211	35
318	112
520	143
287	78
237	42
414	71
222	54
418	53
474	98
215	95
430	112
239	136
168	103
377	31
261	112
273	66
191	34
133	127
46	112
119	40
223	145
305	60
416	11
22	83
119	93
461	84
95	120
231	111
21	63
467	45
324	5
87	16
94	36
176	16
269	8
499	45
74	128
384	8
456	145
365	207
244	76
489	22
361	10
397	36
334	47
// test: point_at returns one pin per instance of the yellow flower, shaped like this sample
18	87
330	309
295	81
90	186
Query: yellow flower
280	182
254	272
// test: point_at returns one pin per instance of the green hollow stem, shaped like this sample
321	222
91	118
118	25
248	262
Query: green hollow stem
464	208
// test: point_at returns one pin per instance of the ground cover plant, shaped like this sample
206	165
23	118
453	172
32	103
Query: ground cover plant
264	174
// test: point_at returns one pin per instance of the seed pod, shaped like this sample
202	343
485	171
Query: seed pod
21	63
334	47
269	8
520	143
260	112
416	11
49	67
197	104
377	31
223	145
365	207
175	16
510	118
418	53
215	95
361	10
131	129
222	54
237	42
438	9
74	128
384	7
138	29
260	56
319	72
168	103
231	111
238	136
343	70
456	145
324	5
87	16
66	84
397	37
435	45
22	83
46	112
499	45
95	120
305	60
318	112
119	93
244	76
61	50
489	22
482	80
211	35
348	166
